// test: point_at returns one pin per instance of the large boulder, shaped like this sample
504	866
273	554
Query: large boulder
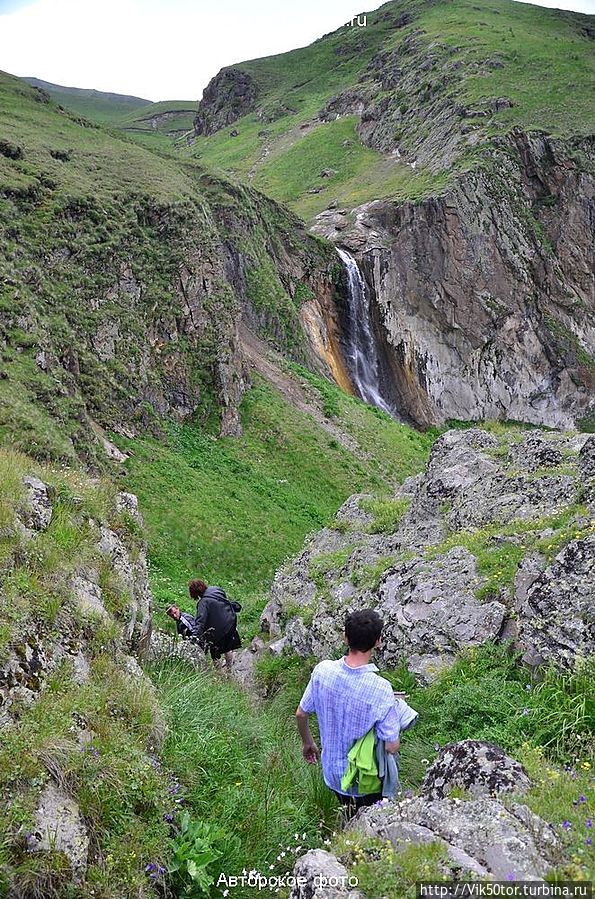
482	835
320	875
478	768
557	609
431	612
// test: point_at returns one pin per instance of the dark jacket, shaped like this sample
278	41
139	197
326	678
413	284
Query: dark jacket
186	626
215	616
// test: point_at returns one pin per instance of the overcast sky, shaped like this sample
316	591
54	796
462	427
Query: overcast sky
164	49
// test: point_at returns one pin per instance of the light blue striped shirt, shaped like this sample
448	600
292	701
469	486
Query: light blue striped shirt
348	702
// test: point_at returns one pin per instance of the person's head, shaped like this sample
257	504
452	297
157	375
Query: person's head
362	630
196	589
173	612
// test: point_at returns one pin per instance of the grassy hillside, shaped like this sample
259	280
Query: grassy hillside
233	510
411	70
97	106
116	306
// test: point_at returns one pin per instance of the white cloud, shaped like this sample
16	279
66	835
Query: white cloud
159	49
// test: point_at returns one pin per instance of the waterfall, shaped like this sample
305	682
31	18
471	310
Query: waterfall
362	354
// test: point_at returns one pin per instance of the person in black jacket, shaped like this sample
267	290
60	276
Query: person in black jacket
215	625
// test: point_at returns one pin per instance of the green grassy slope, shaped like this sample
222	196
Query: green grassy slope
232	510
412	59
97	106
98	237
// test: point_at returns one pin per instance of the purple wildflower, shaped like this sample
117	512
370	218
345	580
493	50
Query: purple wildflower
582	798
589	841
150	867
168	817
589	822
525	711
566	825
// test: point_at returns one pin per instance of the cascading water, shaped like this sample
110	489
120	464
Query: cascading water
362	352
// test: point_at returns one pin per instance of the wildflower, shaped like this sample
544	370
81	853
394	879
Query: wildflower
589	841
528	687
566	825
150	867
582	798
162	870
525	711
589	822
226	892
168	818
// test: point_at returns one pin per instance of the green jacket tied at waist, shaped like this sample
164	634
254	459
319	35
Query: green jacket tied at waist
362	768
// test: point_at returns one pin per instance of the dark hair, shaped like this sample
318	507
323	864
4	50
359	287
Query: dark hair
363	629
197	588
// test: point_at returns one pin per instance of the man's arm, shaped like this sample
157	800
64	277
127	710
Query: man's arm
388	727
200	621
309	748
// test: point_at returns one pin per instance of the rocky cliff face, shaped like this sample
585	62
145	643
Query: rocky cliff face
494	542
227	97
485	297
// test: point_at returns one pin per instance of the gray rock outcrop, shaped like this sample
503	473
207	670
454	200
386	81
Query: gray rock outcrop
36	651
557	609
481	835
480	496
37	510
227	97
477	768
324	878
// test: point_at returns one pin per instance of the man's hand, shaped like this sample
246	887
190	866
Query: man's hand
392	746
311	753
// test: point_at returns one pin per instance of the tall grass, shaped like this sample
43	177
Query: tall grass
242	768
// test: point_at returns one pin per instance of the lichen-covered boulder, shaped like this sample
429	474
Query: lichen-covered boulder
478	768
320	875
59	827
432	613
556	610
504	842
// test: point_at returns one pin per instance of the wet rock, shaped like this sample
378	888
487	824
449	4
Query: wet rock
59	827
321	875
478	768
505	842
37	512
557	610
